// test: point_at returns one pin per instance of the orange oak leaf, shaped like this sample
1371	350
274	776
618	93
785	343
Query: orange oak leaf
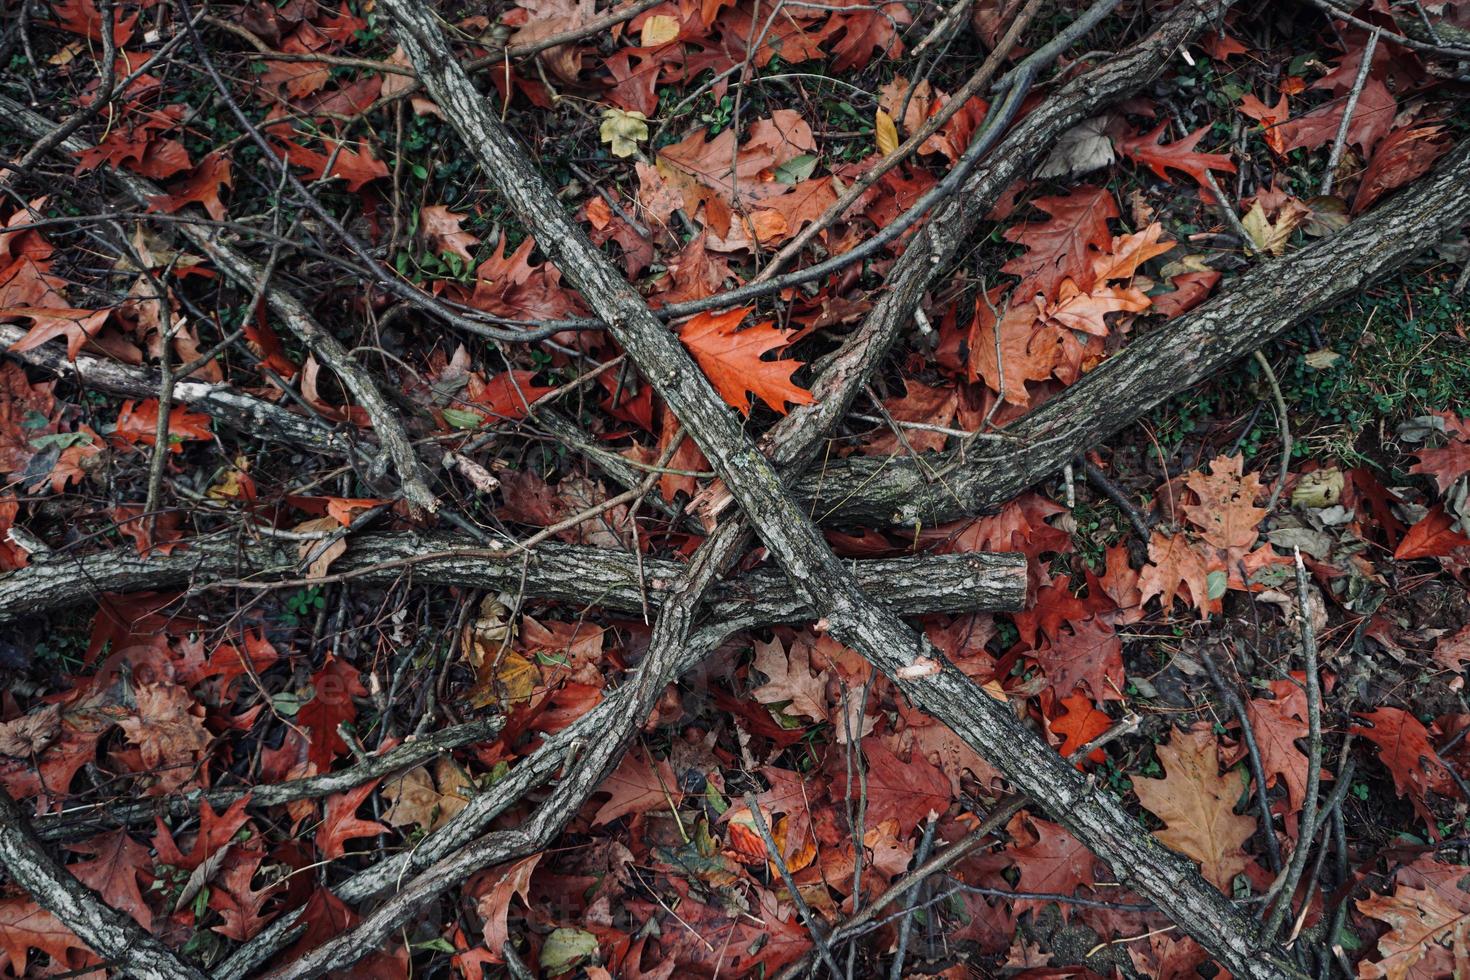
440	230
1270	117
791	679
1054	862
168	728
333	688
1089	656
1423	924
77	326
1080	723
1197	806
1226	513
215	832
1372	119
1433	537
1173	562
341	823
1026	353
137	424
1278	723
731	359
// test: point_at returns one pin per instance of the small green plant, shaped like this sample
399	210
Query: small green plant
300	605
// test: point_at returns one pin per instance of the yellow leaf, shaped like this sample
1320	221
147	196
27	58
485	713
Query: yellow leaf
886	132
660	29
622	131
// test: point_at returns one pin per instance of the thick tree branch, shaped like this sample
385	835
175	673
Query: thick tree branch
123	944
1257	307
921	672
575	574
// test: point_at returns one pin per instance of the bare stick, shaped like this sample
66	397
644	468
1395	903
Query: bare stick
81	822
1335	157
1314	758
813	924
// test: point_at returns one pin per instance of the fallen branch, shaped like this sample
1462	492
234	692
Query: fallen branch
292	312
575	574
124	946
1258	307
82	822
921	672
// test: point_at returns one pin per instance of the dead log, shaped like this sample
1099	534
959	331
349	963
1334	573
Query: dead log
124	946
574	574
1257	307
1088	811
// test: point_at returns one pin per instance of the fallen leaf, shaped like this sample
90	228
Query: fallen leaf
731	359
1197	806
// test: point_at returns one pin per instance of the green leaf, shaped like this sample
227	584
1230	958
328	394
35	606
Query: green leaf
797	169
1215	583
62	440
461	419
567	948
286	703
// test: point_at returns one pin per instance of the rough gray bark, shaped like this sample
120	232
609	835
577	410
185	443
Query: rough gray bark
245	413
1157	365
1088	811
123	944
797	438
72	824
552	571
291	311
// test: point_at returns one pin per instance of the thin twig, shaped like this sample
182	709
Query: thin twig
813	924
896	973
1314	757
1283	425
1340	141
1115	493
1253	753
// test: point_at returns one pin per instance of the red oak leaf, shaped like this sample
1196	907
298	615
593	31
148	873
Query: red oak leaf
1451	461
25	926
731	359
333	688
637	785
200	187
340	822
112	872
1062	246
1161	158
1404	750
899	790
